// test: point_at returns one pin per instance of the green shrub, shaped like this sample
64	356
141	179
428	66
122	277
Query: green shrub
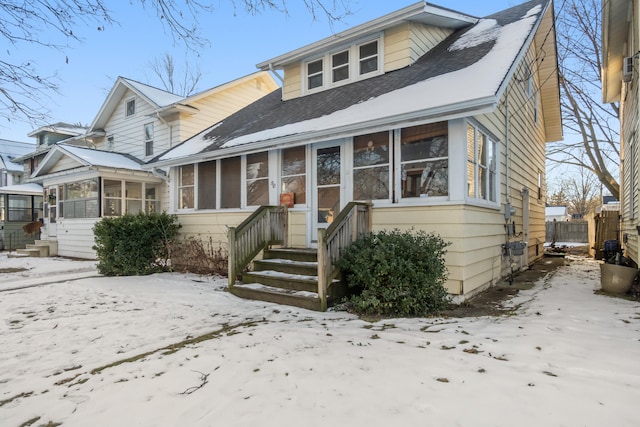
396	273
132	245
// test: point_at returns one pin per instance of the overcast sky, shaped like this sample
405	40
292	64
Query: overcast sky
237	42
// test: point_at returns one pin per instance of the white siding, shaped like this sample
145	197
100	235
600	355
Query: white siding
75	238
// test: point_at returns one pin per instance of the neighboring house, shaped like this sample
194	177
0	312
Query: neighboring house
98	174
11	169
556	213
19	205
438	118
620	81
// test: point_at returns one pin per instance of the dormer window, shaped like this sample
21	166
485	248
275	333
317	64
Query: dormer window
314	74
130	107
368	57
340	66
355	62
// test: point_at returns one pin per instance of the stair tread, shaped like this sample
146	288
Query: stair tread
288	276
265	288
289	262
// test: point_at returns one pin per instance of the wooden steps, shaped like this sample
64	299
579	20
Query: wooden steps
285	276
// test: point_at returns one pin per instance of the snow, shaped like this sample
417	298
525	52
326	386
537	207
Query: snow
448	91
486	30
29	188
101	158
569	357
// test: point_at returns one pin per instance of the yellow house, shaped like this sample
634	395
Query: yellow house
98	172
436	118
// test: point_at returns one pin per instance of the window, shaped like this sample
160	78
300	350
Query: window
207	185
151	202
371	167
294	177
112	195
539	186
133	197
258	179
110	142
42	139
340	66
314	74
368	54
230	175
148	139
20	208
185	187
354	62
424	161
481	165
80	199
130	108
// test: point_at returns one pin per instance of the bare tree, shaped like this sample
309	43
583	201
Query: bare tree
580	193
183	82
23	90
592	139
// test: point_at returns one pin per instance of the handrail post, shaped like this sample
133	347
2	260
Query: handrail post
322	270
232	257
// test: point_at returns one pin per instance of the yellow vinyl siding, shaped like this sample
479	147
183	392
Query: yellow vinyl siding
397	45
298	229
210	225
292	87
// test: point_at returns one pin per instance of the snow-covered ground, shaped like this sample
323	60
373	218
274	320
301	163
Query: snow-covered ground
97	352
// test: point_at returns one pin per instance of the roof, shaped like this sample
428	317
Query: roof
12	150
555	211
88	157
31	189
464	75
422	12
615	27
60	128
164	102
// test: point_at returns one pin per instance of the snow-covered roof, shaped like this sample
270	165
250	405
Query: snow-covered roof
24	189
87	157
12	150
464	75
555	210
60	128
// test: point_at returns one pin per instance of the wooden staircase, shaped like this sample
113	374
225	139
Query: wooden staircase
306	278
287	276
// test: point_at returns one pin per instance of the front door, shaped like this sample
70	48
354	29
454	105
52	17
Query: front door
327	182
52	211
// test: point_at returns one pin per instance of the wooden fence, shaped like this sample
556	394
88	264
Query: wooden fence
607	227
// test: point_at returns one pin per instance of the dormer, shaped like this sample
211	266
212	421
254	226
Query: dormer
376	47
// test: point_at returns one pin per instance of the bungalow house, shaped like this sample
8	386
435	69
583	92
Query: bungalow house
620	48
11	170
98	173
437	119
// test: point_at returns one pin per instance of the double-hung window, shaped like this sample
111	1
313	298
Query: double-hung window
148	139
130	107
481	165
186	183
340	66
314	74
368	54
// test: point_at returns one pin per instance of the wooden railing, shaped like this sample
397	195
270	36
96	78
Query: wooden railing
353	220
266	226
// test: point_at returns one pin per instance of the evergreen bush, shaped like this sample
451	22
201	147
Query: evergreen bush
132	245
396	273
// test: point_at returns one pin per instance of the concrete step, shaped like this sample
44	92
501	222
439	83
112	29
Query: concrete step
43	248
35	253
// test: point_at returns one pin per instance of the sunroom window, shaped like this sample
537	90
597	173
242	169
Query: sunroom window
230	175
207	185
294	177
371	166
80	199
424	161
186	185
258	179
481	165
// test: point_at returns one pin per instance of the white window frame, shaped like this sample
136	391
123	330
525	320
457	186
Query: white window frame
148	142
127	102
353	65
489	169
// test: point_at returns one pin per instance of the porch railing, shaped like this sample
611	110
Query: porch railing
353	220
266	226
